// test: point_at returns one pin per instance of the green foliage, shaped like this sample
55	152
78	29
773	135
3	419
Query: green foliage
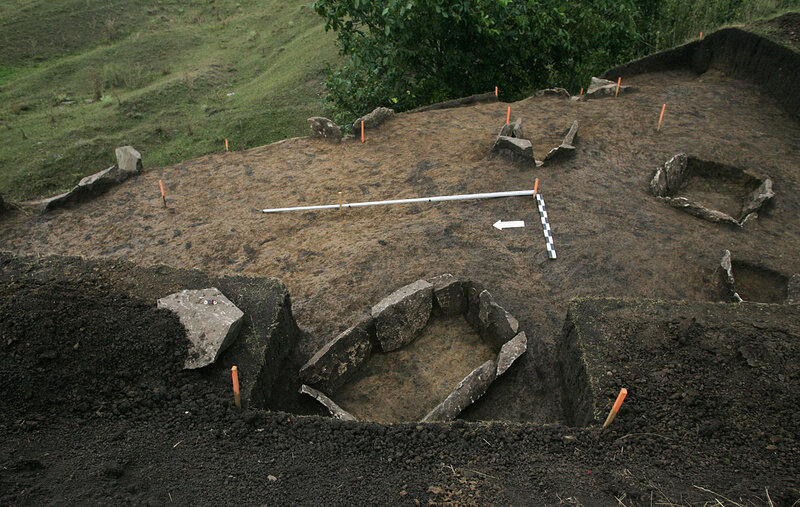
405	53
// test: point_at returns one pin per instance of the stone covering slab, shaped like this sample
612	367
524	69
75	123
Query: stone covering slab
323	128
448	294
465	394
340	358
336	411
400	316
373	119
510	352
211	321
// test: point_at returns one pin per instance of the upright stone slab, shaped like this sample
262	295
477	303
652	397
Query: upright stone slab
727	281
401	316
497	326
129	161
757	198
211	321
448	294
512	129
340	358
566	147
510	352
521	149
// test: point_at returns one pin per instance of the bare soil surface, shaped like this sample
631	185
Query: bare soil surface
406	384
612	237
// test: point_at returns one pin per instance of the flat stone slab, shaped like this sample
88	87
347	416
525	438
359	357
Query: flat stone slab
340	358
373	119
510	352
336	411
521	149
465	394
211	321
400	316
603	88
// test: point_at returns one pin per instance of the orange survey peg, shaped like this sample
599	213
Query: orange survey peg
496	92
226	145
617	404
236	397
619	82
163	195
661	118
362	131
508	115
535	187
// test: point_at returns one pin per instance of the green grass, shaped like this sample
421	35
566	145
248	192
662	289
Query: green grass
175	79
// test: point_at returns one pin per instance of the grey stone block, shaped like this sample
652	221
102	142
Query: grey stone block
340	358
400	316
448	294
211	321
373	119
323	128
521	149
465	394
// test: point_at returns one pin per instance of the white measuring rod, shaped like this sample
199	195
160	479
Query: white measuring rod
462	197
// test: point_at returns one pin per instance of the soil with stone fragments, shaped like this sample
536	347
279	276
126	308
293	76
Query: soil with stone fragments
152	434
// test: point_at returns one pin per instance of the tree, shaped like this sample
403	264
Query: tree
406	53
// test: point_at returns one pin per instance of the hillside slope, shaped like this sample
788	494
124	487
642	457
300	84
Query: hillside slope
174	79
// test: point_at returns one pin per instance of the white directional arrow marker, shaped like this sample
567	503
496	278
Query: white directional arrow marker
508	225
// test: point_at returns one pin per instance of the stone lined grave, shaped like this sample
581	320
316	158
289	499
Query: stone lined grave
393	327
510	144
744	281
712	191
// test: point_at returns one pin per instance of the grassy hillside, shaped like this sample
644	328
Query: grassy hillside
171	78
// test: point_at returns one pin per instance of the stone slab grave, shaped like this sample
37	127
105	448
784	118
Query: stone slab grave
211	320
712	191
129	163
425	352
751	282
510	144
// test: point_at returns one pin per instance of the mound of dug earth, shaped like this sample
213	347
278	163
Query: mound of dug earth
712	391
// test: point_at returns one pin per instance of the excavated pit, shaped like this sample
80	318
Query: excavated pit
717	186
759	284
406	384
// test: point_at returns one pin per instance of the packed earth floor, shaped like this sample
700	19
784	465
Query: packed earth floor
613	238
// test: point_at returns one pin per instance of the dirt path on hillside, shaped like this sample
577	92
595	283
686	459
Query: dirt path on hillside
612	237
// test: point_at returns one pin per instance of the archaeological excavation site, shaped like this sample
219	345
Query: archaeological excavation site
169	337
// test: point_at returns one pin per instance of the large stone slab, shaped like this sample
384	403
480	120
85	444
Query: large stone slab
323	128
400	316
336	411
448	294
372	120
510	352
700	211
603	88
668	178
88	187
211	321
519	149
129	160
465	394
340	358
757	198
